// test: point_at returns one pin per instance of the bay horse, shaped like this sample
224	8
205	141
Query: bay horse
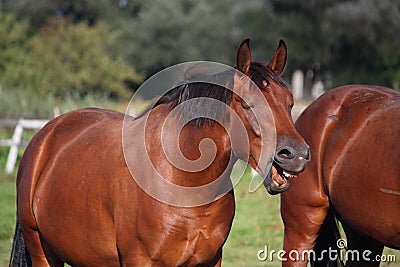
354	176
78	203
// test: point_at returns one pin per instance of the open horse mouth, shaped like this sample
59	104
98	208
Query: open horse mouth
277	180
286	164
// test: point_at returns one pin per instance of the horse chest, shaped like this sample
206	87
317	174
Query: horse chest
187	238
190	246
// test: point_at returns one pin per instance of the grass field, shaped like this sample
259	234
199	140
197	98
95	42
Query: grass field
257	223
7	217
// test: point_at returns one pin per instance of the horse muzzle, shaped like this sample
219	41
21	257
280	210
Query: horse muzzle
287	164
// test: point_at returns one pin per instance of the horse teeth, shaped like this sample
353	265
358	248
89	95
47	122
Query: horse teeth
288	175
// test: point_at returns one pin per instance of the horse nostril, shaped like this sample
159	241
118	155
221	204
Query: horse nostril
286	153
306	155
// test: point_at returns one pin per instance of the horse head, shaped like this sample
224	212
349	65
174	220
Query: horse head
264	111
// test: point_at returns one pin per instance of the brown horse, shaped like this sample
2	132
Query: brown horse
78	202
354	174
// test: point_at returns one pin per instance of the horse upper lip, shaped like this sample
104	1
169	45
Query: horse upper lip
280	166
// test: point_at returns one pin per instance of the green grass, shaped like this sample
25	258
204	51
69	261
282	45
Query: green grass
7	217
257	223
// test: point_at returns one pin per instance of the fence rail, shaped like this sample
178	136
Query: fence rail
16	140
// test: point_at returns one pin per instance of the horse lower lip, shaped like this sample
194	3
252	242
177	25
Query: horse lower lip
279	185
278	179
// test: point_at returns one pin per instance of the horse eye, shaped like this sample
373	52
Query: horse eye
291	106
245	106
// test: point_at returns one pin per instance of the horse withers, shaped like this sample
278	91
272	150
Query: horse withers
80	199
354	176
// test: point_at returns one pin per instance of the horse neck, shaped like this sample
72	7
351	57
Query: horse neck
193	156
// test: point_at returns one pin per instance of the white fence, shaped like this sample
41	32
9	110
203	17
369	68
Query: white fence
16	141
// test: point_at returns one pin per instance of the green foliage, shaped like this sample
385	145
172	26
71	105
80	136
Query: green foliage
164	33
13	37
63	59
38	11
364	41
257	19
350	41
71	59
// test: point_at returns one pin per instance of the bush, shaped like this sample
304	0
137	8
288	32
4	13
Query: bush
63	59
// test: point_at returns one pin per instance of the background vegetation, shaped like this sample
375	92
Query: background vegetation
61	55
107	47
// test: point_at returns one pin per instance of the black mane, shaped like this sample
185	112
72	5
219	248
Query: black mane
260	72
178	95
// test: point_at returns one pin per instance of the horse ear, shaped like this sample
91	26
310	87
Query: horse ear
243	57
278	62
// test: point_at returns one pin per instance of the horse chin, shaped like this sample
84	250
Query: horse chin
275	182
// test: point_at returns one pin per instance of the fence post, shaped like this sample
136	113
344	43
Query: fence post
13	154
298	85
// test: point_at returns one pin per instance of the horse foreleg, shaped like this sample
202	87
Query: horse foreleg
304	209
300	236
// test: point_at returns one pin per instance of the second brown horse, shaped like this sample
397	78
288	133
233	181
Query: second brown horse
354	175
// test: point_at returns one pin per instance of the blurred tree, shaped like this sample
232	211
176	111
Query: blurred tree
164	33
300	23
257	19
14	35
364	42
38	11
296	22
70	59
349	40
